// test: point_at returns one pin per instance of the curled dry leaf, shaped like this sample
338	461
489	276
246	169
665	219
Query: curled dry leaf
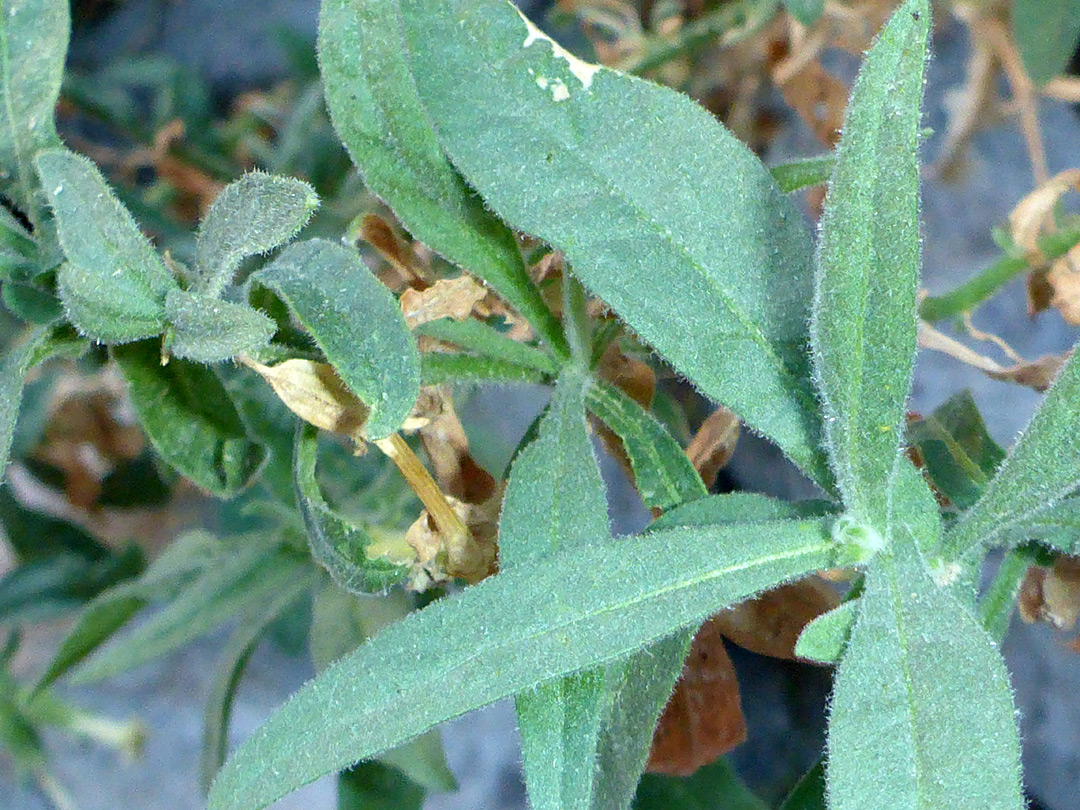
446	298
441	557
1028	220
703	720
315	393
409	272
1052	595
714	443
1037	374
1063	281
447	447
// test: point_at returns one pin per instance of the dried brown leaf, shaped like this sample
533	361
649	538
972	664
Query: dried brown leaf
703	720
447	447
446	298
819	99
409	272
1052	595
441	558
1030	216
714	443
770	624
1063	279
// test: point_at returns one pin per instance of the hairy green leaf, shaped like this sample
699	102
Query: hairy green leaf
511	632
230	670
190	419
1041	469
356	322
209	330
809	792
249	576
373	103
1046	32
33	44
480	339
254	214
824	639
692	245
114	284
863	327
714	787
345	550
921	680
18	362
340	623
959	455
662	472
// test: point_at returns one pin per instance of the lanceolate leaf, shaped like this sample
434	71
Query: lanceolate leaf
13	372
440	367
556	501
483	340
33	43
1041	469
692	244
824	639
190	419
255	214
372	98
662	472
339	547
356	322
114	284
863	326
566	613
209	330
922	713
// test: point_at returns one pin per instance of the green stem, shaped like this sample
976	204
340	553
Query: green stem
732	23
996	605
972	293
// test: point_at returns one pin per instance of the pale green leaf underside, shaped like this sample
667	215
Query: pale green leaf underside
209	330
688	239
922	712
1041	469
372	99
663	474
356	322
114	284
512	632
254	214
33	44
863	327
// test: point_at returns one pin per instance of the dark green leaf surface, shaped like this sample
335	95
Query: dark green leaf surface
254	214
864	324
114	284
662	472
959	455
33	44
190	419
691	242
566	613
1046	32
809	793
922	681
1041	469
339	547
209	330
20	358
714	787
375	786
356	322
440	367
373	103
